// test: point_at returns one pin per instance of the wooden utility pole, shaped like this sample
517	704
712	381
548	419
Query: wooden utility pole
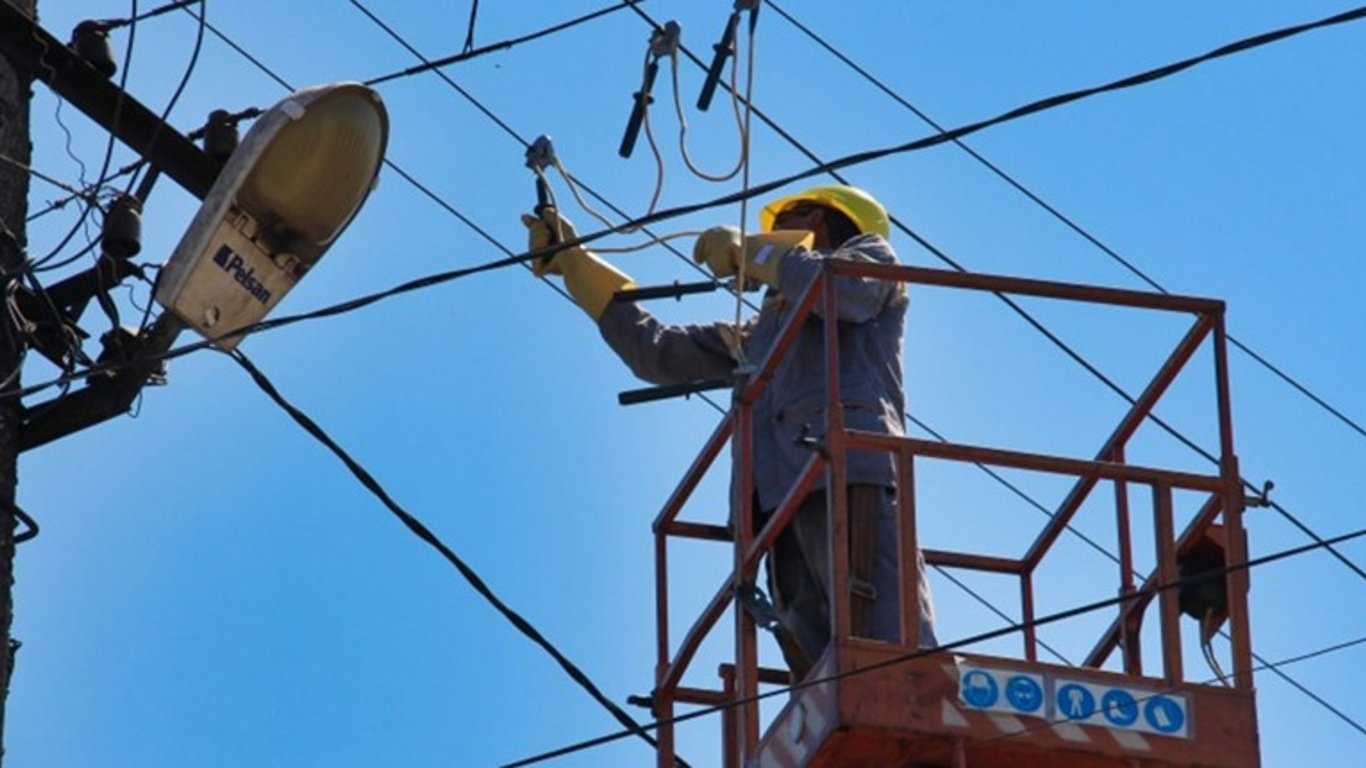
15	95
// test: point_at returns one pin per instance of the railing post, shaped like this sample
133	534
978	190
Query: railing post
837	493
663	706
1133	662
730	750
1235	554
908	564
746	646
1169	599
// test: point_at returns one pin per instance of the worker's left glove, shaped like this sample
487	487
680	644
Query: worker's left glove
589	279
722	249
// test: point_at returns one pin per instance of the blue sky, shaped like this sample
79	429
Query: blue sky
211	587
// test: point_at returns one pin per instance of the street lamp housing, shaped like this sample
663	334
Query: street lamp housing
283	197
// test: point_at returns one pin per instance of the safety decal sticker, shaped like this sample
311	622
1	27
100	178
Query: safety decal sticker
1126	707
1069	702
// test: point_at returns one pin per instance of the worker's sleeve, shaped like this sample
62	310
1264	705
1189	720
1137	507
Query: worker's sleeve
860	299
666	354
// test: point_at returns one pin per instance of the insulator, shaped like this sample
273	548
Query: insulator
123	228
90	41
220	135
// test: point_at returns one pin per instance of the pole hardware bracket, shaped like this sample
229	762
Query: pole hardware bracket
1262	499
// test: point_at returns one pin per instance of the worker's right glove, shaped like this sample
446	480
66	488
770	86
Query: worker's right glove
589	279
723	248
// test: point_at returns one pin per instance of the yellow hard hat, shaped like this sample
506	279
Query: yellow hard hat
861	208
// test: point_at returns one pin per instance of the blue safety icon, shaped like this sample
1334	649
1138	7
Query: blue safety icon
1024	694
1075	702
1119	707
1164	714
979	689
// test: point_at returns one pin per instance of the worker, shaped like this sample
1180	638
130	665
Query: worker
797	234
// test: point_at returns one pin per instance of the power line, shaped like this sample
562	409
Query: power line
37	174
1031	108
1054	211
123	89
470	52
429	65
88	193
1070	613
999	478
242	52
474	17
180	87
425	534
136	17
1000	614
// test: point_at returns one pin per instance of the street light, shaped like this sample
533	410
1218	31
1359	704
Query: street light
297	179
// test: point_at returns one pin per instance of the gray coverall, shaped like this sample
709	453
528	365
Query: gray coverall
872	318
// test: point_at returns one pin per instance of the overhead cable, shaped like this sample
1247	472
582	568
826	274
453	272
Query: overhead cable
1071	613
425	534
88	193
123	89
948	574
37	174
113	133
512	132
136	17
240	50
180	87
1041	105
1057	214
474	17
471	53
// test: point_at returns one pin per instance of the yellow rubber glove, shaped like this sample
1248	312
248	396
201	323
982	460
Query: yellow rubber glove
589	279
721	249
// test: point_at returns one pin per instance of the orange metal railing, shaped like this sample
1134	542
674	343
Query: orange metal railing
1223	488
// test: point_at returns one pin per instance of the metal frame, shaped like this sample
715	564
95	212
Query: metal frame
742	740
